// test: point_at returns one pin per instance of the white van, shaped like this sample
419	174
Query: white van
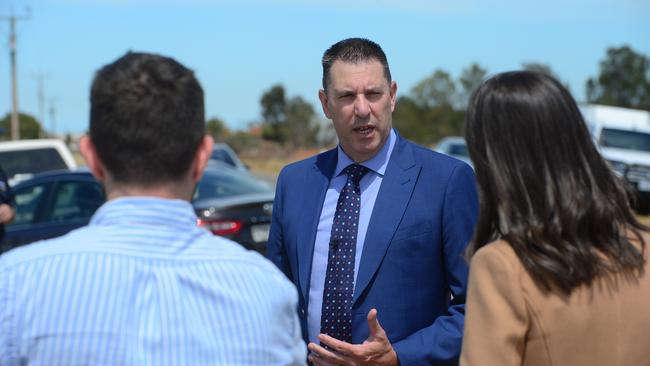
623	138
23	158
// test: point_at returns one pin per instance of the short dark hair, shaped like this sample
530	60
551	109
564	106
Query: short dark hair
146	118
353	50
544	187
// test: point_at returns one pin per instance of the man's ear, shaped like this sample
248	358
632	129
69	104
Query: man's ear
322	95
202	157
393	95
89	153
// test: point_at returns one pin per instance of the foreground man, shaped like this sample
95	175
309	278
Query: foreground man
372	232
142	284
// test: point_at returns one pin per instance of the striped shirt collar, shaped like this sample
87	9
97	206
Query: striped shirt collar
145	211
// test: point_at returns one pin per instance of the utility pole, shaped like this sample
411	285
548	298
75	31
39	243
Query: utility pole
52	111
15	131
40	78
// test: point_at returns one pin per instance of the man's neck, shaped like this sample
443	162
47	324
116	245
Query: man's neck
168	191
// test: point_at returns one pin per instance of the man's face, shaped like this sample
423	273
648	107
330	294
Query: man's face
360	103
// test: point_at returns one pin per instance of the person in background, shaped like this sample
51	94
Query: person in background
7	203
142	284
559	263
372	232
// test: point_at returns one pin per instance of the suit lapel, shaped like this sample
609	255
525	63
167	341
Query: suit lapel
315	188
392	199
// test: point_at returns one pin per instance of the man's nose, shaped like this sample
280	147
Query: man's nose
361	107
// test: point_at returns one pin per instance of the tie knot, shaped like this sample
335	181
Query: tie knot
355	172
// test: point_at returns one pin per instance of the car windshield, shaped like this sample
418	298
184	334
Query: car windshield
458	150
624	139
227	183
222	155
31	161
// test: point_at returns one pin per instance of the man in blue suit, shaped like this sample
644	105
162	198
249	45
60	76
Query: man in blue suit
379	268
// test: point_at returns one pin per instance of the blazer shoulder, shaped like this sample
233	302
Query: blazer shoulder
430	158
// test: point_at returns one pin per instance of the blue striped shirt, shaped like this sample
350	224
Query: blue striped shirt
143	285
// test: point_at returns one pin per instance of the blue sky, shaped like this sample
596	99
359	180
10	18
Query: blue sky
239	49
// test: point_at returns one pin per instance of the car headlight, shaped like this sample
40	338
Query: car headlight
618	167
638	173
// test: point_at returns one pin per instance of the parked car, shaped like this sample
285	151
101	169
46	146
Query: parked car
23	158
227	202
623	138
454	146
51	204
235	205
225	154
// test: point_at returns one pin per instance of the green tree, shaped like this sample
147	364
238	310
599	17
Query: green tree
435	108
410	120
288	121
470	79
29	127
438	89
623	80
539	67
274	106
217	129
302	128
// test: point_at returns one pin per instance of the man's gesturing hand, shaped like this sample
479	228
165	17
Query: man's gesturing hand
376	350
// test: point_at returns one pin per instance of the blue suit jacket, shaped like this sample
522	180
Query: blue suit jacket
412	260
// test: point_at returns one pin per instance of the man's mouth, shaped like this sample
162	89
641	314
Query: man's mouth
364	130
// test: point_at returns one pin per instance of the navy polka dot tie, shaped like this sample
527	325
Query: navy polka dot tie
336	315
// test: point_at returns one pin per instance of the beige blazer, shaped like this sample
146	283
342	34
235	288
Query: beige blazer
510	321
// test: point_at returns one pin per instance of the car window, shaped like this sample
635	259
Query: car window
75	201
222	155
31	161
28	200
623	139
228	184
458	150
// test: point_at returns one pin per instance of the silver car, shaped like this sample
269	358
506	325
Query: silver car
456	147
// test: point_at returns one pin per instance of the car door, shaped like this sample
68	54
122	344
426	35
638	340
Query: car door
48	209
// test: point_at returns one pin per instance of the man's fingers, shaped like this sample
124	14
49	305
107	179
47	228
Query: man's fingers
317	361
322	356
373	324
339	346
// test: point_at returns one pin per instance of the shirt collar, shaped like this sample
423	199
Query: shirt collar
377	163
150	210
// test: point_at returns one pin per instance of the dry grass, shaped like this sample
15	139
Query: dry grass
271	165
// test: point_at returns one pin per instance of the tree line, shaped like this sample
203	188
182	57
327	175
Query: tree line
433	108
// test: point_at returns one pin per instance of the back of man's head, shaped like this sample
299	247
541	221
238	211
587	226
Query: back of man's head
353	50
146	119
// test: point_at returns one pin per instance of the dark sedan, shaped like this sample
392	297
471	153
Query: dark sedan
227	202
235	205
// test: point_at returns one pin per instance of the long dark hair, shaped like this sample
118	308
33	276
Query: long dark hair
544	188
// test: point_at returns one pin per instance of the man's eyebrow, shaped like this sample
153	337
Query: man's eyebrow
344	90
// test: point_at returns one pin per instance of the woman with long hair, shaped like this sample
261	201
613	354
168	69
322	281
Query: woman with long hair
559	264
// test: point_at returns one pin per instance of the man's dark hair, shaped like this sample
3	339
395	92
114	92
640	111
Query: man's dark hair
353	50
544	187
146	118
